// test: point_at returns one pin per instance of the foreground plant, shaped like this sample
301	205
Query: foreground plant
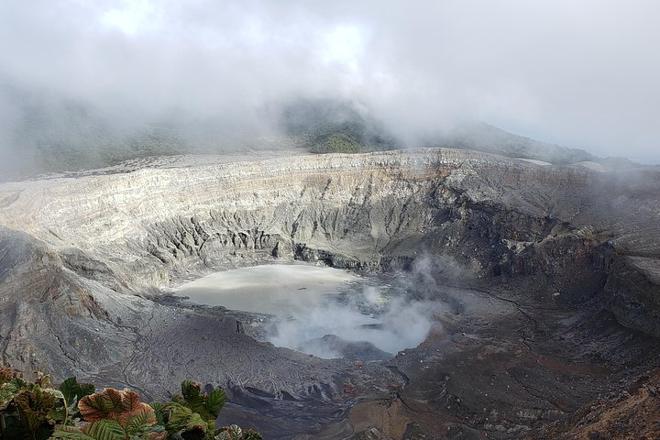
73	392
192	415
234	432
113	415
29	411
37	411
121	415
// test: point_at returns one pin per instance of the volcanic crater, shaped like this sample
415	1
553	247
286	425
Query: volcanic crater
536	287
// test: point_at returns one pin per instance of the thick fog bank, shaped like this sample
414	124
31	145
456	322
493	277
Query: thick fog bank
84	84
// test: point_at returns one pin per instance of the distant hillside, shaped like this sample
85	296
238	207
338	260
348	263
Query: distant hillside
328	126
48	134
43	134
324	126
484	137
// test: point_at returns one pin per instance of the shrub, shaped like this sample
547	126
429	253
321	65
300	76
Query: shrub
37	411
29	410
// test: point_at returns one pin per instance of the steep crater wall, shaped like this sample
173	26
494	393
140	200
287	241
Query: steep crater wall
91	247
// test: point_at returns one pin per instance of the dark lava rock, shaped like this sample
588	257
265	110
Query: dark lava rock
360	350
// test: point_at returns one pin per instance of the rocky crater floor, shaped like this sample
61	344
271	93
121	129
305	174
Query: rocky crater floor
539	288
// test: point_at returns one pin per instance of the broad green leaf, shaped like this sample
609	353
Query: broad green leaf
207	406
181	418
215	401
105	430
72	390
70	433
115	405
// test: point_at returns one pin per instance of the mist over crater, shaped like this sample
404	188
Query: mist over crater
327	312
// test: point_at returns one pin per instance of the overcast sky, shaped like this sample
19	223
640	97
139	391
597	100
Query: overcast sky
583	73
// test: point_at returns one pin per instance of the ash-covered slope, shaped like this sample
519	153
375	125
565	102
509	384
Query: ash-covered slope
82	257
150	226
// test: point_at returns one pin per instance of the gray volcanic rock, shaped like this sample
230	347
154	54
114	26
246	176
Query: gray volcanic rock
361	350
634	291
58	320
154	226
85	259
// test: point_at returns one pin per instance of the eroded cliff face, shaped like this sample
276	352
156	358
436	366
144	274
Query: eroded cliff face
148	226
82	256
155	225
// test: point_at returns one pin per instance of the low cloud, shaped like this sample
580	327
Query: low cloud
577	73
